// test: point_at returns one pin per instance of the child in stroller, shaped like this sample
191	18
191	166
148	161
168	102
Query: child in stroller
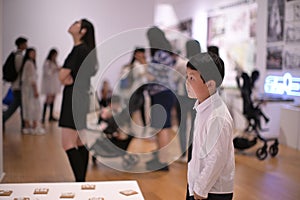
115	124
253	114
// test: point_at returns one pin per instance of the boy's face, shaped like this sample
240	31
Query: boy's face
195	86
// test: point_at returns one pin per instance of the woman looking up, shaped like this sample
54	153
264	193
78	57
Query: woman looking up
75	76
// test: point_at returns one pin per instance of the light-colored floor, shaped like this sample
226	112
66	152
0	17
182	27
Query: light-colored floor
30	158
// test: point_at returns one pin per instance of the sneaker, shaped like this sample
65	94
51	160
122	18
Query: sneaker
38	131
26	131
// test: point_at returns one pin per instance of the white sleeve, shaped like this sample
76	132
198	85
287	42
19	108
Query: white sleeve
213	155
47	68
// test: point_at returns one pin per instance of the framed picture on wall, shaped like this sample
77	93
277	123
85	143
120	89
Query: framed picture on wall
275	20
291	57
274	57
179	34
233	30
292	33
216	29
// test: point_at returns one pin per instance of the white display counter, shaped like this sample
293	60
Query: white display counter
290	126
108	190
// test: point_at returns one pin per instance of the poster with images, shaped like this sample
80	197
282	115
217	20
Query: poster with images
291	57
233	30
292	11
292	33
216	29
275	20
291	54
274	57
185	27
292	30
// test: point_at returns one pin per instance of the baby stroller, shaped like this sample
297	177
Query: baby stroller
253	114
114	141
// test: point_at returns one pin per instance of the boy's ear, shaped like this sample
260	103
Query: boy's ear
211	84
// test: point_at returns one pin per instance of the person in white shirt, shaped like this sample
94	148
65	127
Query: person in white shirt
50	84
138	88
30	94
211	163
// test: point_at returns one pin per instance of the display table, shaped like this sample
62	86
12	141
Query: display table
290	126
108	190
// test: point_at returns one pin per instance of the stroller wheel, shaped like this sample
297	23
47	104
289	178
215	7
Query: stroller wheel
273	150
261	153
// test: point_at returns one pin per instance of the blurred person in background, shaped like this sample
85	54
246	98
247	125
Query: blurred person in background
30	94
50	83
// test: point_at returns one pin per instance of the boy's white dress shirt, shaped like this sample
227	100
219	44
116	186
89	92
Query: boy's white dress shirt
211	169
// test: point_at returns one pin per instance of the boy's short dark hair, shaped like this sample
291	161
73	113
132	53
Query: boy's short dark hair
20	40
210	66
213	49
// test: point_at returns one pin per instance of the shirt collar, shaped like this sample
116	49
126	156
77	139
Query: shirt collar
199	107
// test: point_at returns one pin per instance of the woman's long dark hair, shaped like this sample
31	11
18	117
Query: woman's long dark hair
26	57
138	49
89	36
52	52
89	39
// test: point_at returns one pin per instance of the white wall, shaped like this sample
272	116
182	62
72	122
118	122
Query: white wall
194	9
45	24
262	49
198	11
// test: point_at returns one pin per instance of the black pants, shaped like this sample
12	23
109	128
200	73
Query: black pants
216	196
212	196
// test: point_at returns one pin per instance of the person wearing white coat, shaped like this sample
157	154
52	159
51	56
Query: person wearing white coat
50	83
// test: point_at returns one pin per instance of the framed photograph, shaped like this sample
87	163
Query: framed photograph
233	30
275	20
216	29
292	33
291	57
274	57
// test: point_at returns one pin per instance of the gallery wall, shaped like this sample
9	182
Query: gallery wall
286	46
45	24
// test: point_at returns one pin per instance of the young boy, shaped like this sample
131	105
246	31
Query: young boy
211	167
